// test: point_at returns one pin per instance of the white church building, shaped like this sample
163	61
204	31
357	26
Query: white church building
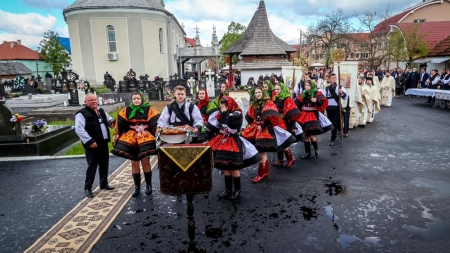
115	36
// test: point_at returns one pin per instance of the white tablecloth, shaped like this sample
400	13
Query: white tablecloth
442	94
420	92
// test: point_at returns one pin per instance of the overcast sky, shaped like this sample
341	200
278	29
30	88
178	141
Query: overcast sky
27	20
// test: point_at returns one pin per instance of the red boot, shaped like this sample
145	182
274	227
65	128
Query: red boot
280	160
290	158
263	172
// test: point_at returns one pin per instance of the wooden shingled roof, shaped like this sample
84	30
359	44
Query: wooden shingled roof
258	38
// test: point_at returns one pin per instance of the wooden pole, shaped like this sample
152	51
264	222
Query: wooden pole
339	102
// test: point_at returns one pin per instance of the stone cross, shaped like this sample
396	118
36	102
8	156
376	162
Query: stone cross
191	84
210	83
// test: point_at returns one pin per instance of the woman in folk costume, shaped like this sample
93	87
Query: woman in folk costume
202	105
269	88
289	113
215	105
231	151
311	103
266	130
136	141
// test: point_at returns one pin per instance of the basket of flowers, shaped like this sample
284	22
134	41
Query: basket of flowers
39	125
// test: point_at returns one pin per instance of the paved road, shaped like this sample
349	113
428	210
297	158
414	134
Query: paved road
386	188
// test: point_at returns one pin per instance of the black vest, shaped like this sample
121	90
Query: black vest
92	124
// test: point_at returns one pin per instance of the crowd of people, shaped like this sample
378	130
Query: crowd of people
277	117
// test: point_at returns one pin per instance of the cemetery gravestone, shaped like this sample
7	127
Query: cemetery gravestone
5	123
210	83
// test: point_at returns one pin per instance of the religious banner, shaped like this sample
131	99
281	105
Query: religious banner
243	100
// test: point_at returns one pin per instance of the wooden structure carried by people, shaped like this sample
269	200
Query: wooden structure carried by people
186	169
338	55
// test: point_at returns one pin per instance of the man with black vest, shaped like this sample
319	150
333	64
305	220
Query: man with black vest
445	79
180	112
331	93
91	126
433	83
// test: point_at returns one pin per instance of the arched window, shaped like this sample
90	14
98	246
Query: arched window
111	38
160	40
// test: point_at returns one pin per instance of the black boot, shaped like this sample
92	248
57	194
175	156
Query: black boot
137	184
148	182
237	188
316	148
307	154
228	187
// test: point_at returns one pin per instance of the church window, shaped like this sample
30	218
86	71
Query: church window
160	40
111	38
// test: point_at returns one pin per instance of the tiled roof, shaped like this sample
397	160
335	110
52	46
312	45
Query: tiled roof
384	26
442	48
14	68
258	38
14	50
101	4
434	32
190	41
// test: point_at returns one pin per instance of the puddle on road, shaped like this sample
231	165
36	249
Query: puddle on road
438	229
334	188
212	232
308	213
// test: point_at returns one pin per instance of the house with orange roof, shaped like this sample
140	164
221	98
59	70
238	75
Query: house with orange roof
14	51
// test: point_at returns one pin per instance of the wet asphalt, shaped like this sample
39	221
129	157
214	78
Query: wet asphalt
385	188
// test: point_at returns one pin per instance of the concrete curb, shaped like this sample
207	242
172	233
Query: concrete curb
40	158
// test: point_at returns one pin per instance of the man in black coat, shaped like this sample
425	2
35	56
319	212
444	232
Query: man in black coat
91	125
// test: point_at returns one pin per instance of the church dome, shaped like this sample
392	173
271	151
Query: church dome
105	4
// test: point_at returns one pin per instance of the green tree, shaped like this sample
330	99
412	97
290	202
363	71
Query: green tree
415	42
54	54
396	47
329	32
234	33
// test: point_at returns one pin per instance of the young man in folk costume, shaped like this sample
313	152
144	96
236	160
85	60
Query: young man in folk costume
363	100
387	90
289	113
311	103
136	138
265	129
181	112
333	92
231	151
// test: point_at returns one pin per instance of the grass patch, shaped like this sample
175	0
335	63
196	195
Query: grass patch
62	122
78	148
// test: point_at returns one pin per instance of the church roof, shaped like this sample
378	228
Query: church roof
102	4
258	38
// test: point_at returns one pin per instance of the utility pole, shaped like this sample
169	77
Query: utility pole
300	48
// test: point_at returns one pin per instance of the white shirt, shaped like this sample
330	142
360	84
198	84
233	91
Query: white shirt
80	123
